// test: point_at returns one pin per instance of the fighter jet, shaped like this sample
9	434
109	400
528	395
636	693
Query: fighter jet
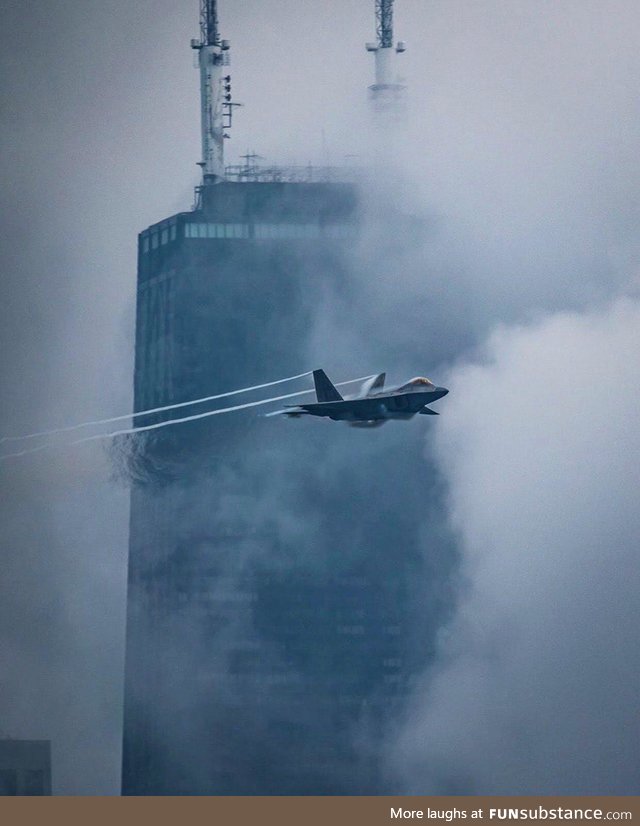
373	406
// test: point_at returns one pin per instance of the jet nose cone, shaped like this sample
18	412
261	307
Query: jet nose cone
441	391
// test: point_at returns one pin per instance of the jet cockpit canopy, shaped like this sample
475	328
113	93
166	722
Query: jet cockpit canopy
418	383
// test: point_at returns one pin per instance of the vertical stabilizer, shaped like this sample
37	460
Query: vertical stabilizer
325	390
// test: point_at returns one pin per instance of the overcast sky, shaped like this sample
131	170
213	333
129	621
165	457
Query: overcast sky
521	152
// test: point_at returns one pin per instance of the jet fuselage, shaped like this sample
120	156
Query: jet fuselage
381	407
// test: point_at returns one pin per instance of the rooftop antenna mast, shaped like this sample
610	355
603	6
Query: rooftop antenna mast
387	91
215	92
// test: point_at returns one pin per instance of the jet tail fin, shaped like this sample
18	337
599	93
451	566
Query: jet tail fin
325	390
371	384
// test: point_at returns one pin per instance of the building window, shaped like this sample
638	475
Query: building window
286	231
145	244
154	241
193	230
174	232
238	230
262	231
164	238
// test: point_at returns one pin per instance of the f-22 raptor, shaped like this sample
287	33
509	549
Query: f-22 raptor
373	406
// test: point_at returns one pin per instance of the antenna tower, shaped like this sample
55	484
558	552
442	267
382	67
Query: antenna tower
384	23
216	107
387	91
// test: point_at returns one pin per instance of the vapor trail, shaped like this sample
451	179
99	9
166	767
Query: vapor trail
131	430
80	425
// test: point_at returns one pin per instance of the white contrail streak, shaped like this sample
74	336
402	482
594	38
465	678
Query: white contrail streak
122	418
131	430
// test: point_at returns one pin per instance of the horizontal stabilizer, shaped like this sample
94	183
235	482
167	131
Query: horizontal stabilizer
426	411
325	390
291	412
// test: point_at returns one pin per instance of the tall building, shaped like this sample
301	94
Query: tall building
269	640
25	767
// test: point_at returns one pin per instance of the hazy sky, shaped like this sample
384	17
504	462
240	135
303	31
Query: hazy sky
521	155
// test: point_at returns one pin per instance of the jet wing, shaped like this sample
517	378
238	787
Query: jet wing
293	412
427	411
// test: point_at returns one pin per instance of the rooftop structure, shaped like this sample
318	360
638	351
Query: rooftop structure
216	106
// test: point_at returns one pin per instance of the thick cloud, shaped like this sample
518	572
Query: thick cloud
535	686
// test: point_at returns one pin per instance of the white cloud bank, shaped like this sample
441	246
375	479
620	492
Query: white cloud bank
535	686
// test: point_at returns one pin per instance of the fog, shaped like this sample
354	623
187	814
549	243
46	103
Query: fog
533	688
518	163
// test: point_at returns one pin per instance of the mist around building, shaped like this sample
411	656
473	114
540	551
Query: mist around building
242	605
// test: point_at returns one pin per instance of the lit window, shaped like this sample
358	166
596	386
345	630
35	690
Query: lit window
285	231
234	231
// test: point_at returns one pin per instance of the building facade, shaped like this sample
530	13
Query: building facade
268	638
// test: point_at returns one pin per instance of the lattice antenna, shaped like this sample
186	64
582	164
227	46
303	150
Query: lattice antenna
209	31
387	91
384	23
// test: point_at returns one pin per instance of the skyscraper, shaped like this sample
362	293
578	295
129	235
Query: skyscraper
268	639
